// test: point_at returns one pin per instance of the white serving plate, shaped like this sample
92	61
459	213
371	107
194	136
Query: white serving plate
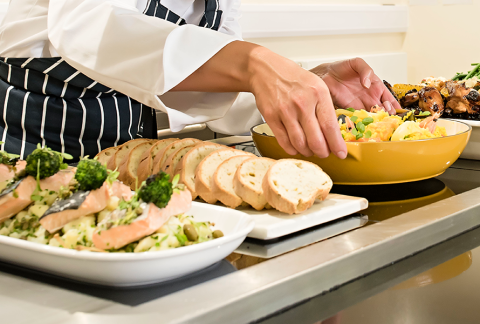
133	269
284	245
472	150
270	224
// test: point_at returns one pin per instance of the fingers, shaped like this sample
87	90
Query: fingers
297	136
329	126
282	136
388	99
315	139
364	70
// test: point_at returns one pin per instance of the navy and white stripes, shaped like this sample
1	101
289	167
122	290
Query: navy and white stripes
49	102
210	19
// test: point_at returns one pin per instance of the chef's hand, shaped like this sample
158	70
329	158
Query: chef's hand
297	106
353	83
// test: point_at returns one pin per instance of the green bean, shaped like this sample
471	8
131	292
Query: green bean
473	72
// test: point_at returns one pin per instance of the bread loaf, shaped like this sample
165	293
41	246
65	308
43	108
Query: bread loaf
247	181
172	161
162	156
222	186
206	169
146	161
291	186
129	166
106	154
123	151
188	164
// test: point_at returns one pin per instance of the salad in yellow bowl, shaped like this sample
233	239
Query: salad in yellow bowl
378	126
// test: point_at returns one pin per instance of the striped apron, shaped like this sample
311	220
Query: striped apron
47	101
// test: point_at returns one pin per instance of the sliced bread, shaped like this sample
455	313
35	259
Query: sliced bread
146	161
129	166
106	154
248	178
123	151
162	156
173	159
222	186
291	186
206	169
188	164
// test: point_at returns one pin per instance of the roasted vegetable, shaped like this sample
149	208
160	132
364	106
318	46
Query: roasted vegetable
90	174
45	162
157	189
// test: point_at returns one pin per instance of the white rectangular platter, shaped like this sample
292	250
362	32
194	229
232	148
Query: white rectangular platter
472	150
134	269
270	224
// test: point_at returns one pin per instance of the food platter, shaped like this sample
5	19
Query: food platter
371	163
134	269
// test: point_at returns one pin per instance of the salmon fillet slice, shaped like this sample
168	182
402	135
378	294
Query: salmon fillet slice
90	203
8	173
17	200
151	220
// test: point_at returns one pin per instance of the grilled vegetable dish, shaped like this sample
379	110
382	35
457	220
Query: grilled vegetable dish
456	98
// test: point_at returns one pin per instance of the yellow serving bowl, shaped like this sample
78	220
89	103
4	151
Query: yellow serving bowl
381	162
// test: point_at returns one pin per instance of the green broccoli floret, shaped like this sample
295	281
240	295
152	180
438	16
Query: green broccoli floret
45	162
157	189
8	159
90	174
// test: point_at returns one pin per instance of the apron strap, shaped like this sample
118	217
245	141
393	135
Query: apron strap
149	118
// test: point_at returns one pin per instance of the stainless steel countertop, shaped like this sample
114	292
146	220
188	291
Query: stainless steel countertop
264	289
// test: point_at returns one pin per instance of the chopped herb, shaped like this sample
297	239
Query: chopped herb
157	244
361	127
351	109
354	132
367	121
353	118
15	194
368	134
36	198
424	113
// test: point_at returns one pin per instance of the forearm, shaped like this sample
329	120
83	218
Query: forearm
230	70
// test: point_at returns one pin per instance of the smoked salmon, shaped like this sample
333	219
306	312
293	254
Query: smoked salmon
8	172
82	203
17	197
107	236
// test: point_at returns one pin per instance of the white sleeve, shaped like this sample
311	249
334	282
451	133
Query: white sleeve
242	116
140	56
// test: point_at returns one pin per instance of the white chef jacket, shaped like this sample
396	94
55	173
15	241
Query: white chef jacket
143	57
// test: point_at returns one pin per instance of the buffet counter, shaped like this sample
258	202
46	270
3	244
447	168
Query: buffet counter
331	266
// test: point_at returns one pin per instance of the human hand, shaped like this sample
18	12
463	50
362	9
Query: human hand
352	83
297	106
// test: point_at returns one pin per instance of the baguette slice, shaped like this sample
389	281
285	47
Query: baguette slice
248	178
222	186
129	166
206	169
159	161
123	151
291	186
173	159
146	161
188	164
106	154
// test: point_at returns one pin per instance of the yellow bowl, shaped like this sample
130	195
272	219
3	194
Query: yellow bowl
381	162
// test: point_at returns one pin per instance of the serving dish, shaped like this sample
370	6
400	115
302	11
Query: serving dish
472	150
381	162
134	269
